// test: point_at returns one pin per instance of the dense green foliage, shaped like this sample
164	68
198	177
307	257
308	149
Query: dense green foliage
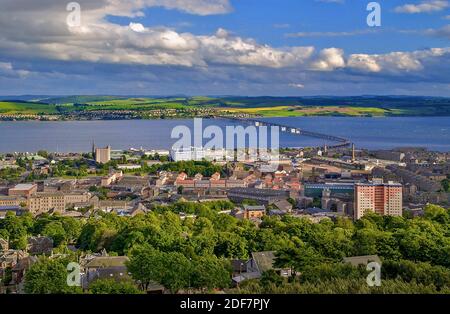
63	230
48	277
194	252
11	174
110	286
175	271
341	286
446	185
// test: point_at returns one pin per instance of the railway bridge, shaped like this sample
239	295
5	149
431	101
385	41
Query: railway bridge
339	141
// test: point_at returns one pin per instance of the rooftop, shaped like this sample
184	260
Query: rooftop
264	260
107	261
362	260
24	186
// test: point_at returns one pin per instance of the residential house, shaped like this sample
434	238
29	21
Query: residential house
361	260
257	211
40	245
258	264
4	245
104	267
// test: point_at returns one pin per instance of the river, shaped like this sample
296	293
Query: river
77	136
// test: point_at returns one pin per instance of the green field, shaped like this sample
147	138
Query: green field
26	108
256	106
297	111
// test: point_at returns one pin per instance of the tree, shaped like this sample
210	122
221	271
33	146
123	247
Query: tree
437	213
43	154
271	277
146	265
110	286
15	230
445	185
230	245
56	231
422	273
210	272
172	270
177	271
297	258
48	277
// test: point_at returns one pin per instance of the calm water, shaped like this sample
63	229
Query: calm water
72	136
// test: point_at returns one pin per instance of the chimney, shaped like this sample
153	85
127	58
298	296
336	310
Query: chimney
353	152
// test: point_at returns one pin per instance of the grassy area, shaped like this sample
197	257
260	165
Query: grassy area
297	111
137	104
26	108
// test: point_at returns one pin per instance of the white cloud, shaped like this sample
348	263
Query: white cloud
224	49
439	32
329	59
39	32
137	27
364	62
395	62
423	7
297	85
7	70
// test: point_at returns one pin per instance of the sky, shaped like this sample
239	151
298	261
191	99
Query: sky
224	47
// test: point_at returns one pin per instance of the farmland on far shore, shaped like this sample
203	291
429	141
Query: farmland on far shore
72	107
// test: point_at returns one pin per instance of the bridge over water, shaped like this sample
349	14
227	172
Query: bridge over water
340	141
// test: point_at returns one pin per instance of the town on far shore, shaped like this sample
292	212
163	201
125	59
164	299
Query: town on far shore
316	184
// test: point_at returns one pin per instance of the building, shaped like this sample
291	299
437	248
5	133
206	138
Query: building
24	190
73	199
260	196
4	245
103	155
111	178
264	261
12	200
251	212
186	154
44	202
200	153
379	197
104	267
4	210
316	189
181	154
389	155
259	263
39	245
356	261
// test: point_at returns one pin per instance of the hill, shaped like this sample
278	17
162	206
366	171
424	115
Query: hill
257	106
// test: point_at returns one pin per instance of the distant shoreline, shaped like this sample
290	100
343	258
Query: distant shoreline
78	108
63	119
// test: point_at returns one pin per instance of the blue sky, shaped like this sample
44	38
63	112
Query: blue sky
223	47
272	21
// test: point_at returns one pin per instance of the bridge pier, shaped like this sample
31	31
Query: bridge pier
341	142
